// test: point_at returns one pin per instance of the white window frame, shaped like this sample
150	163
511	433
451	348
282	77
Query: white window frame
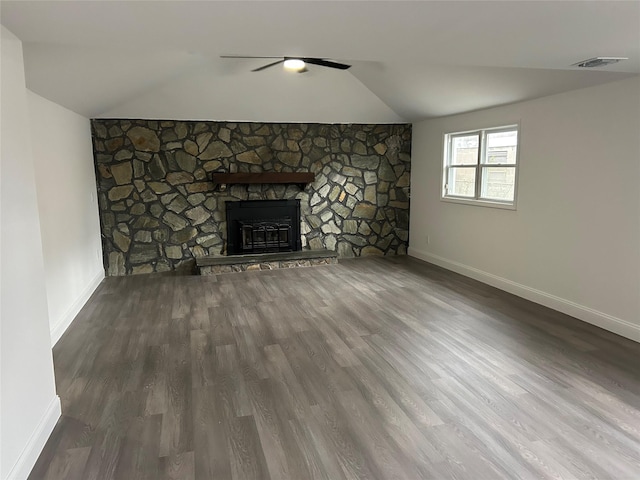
479	166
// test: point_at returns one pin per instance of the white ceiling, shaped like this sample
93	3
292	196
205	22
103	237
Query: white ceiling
411	60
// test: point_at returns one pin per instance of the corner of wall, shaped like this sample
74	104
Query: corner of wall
60	325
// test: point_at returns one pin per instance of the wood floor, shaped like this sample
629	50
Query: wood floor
376	368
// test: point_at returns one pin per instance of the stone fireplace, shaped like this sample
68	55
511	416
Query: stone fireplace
263	226
163	205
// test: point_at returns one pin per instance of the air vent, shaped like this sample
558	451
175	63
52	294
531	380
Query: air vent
598	62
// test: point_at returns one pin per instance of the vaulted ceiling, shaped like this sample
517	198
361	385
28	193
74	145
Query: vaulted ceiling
411	60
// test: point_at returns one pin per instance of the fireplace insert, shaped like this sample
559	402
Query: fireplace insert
261	226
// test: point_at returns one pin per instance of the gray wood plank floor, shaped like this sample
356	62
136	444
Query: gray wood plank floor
376	368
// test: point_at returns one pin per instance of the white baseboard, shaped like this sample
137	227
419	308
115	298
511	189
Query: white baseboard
31	451
589	315
63	322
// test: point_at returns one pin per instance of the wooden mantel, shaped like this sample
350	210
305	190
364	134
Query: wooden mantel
300	178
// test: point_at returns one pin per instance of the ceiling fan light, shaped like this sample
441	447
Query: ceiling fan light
294	64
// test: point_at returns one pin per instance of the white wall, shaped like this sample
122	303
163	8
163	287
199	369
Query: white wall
574	241
321	95
66	186
29	405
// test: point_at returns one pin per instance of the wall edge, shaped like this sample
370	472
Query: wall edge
58	329
29	455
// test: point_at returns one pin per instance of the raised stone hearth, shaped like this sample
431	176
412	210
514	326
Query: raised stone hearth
215	265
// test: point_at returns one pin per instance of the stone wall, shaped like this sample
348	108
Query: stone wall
159	208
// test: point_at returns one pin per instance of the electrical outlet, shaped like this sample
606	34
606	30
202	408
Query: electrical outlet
427	239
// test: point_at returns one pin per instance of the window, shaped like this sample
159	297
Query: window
480	167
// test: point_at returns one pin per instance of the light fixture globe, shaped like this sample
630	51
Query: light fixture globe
294	64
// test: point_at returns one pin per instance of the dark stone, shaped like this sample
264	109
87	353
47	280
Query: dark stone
209	240
173	252
404	180
345	250
364	229
365	210
370	250
143	236
159	187
160	235
142	253
138	209
359	148
114	144
181	130
99	130
212	166
351	172
100	158
249	157
402	218
118	193
122	173
138	168
355	239
290	158
368	162
144	139
184	235
401	195
108	220
224	134
123	155
196	198
337	178
386	172
157	169
146	222
202	140
185	161
148	196
215	150
177	178
383	243
104	171
121	240
341	210
178	204
174	221
199	187
191	148
197	215
169	136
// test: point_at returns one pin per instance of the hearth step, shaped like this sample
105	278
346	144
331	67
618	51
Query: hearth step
217	264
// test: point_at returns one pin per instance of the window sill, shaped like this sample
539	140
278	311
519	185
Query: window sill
479	203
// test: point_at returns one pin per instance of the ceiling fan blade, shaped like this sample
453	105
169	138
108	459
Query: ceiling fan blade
267	65
326	63
244	56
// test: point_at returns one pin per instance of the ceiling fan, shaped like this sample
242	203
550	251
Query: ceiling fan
295	64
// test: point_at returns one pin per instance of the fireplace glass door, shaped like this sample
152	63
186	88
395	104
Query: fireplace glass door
267	236
260	226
